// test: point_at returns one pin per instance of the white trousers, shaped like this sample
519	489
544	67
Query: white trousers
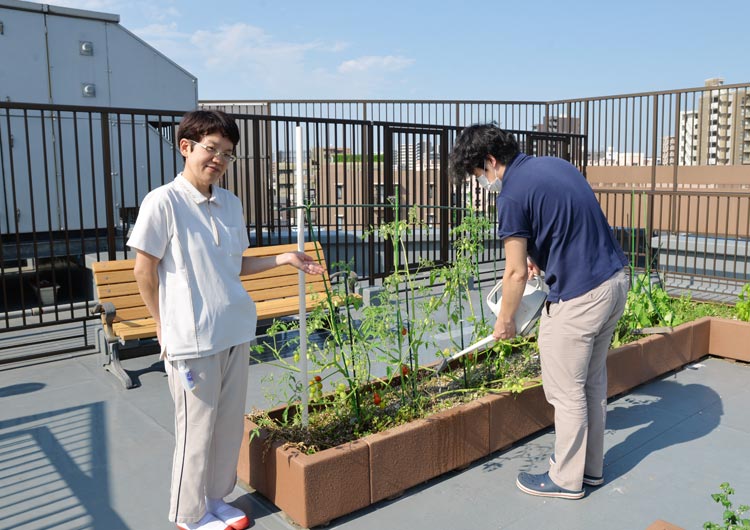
208	430
574	338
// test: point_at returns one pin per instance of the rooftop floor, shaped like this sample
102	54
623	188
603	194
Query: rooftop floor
77	451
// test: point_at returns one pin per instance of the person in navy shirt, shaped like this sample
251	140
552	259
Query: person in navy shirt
549	220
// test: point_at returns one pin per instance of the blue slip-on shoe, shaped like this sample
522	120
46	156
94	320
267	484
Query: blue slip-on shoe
542	486
588	480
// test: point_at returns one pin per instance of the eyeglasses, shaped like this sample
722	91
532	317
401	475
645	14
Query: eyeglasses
215	153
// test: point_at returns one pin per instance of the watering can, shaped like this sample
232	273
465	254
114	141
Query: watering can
528	312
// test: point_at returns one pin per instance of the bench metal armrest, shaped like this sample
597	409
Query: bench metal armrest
107	311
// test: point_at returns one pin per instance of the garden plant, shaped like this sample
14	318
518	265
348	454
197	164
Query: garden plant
731	518
348	343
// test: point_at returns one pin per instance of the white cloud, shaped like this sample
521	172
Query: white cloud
388	63
339	46
159	11
245	61
160	32
241	60
242	43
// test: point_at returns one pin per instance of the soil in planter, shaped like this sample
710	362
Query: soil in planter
384	405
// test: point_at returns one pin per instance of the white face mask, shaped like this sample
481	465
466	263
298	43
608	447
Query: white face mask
493	187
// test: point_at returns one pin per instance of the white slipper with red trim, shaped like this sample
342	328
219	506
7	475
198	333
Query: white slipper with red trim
231	516
207	522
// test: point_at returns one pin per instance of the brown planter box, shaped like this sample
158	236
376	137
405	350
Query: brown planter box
410	454
701	338
730	339
310	489
624	369
315	489
513	417
663	353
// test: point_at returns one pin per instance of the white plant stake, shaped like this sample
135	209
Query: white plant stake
301	275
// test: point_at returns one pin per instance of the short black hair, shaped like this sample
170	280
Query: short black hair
198	123
475	143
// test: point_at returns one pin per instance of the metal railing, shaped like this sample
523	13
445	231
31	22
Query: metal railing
73	179
693	137
697	242
353	171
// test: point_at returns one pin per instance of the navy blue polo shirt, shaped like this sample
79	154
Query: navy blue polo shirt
548	202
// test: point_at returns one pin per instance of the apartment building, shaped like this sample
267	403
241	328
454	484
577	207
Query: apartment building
667	151
723	125
741	135
688	138
561	124
717	130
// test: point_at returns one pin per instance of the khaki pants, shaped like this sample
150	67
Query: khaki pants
208	430
574	338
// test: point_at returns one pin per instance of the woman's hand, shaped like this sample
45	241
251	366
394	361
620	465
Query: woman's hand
301	261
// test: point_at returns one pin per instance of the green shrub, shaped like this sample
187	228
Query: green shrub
732	518
650	306
742	308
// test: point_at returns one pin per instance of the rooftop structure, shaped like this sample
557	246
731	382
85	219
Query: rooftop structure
81	57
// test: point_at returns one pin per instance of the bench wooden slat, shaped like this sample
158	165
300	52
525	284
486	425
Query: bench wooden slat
114	277
115	265
285	306
254	285
144	328
132	313
126	302
286	291
284	270
107	292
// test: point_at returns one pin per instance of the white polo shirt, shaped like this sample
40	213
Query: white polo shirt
202	305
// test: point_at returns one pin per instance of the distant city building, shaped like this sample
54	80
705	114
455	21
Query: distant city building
417	155
715	132
609	157
561	124
723	126
688	138
408	155
553	124
667	151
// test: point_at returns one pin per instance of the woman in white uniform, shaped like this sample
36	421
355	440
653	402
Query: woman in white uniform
189	238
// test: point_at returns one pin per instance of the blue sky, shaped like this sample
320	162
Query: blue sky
427	49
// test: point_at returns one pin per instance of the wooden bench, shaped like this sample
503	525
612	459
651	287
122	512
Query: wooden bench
127	323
